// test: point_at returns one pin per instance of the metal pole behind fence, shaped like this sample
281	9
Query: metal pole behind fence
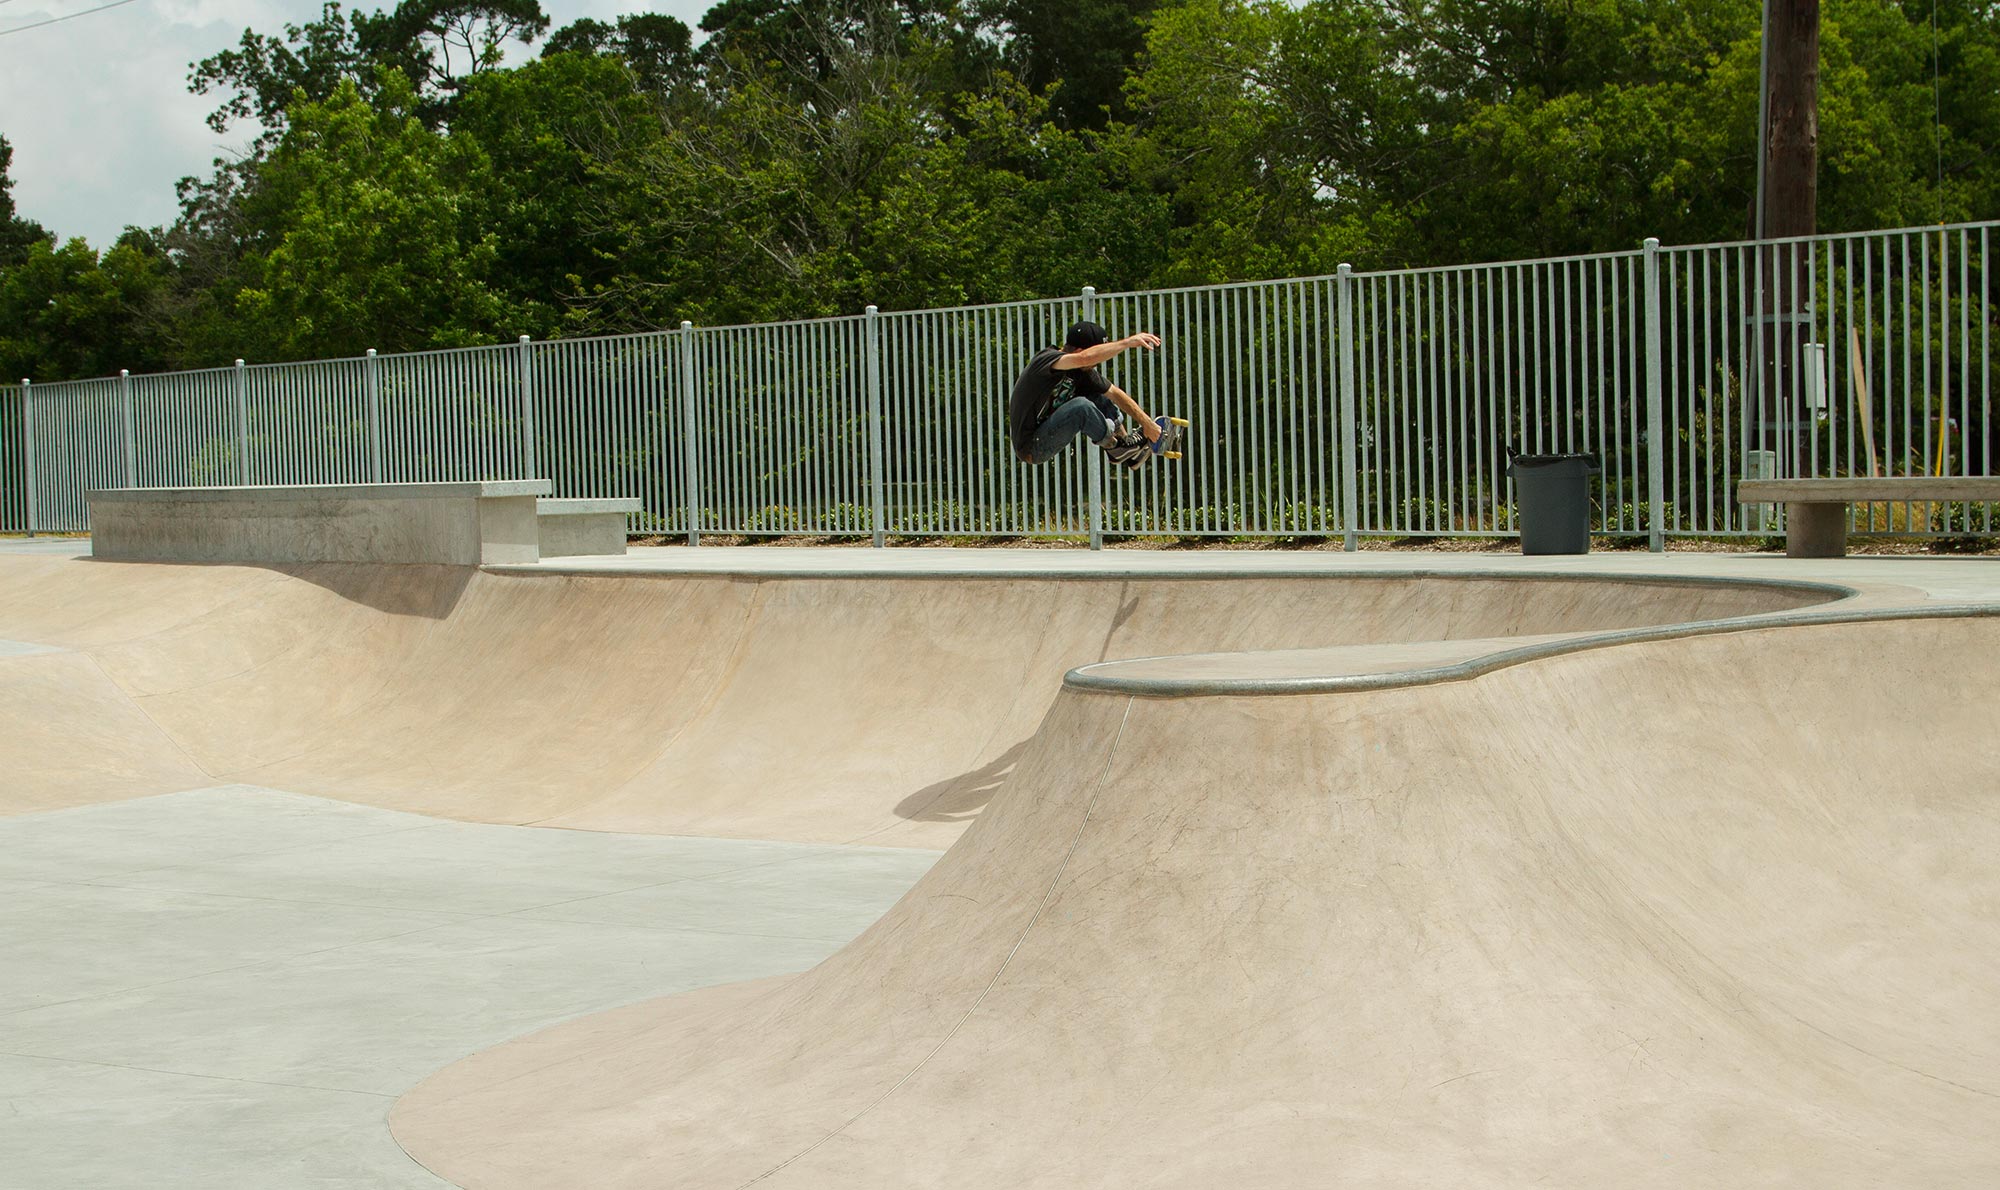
242	427
1095	457
692	475
1656	444
1350	489
131	434
877	501
28	443
526	362
372	370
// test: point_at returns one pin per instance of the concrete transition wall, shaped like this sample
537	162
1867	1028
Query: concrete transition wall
453	524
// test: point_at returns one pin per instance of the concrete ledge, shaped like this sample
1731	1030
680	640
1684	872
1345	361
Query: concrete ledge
572	527
452	524
474	490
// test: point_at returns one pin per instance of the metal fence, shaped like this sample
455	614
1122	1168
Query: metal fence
1356	404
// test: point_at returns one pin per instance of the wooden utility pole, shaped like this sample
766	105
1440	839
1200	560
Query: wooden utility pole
1791	134
1787	198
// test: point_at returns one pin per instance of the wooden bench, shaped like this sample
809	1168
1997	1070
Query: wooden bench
1816	509
569	528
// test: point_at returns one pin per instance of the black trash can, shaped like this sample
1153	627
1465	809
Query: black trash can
1552	501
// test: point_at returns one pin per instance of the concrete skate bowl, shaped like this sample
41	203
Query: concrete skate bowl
818	709
1712	910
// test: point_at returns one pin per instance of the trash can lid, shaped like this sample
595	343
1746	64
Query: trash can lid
1590	462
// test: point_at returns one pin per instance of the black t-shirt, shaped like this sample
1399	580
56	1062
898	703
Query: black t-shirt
1041	388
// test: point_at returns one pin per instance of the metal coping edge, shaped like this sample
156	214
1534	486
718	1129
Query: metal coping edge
1082	679
555	567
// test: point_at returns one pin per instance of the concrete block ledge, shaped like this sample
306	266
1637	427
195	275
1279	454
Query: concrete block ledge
571	528
453	524
475	490
567	506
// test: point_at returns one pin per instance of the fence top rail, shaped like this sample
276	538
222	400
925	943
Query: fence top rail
343	361
662	334
56	388
483	349
193	372
1830	237
782	324
1065	300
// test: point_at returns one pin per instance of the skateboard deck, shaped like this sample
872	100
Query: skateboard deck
1169	444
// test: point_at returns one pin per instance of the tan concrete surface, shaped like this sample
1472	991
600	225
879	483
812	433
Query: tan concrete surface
818	710
1712	911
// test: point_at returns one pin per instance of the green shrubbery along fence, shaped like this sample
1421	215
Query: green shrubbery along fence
1342	406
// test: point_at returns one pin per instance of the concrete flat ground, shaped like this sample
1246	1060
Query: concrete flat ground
278	850
228	987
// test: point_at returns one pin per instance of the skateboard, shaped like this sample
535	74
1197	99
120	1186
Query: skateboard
1169	444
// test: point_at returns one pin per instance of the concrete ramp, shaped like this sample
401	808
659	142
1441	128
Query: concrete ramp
1692	912
884	710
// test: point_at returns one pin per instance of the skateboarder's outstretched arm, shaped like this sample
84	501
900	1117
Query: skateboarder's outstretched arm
1140	418
1090	357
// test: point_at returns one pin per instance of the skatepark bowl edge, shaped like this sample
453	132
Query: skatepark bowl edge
996	868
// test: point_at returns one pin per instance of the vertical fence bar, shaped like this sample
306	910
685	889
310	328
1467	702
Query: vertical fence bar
525	363
877	501
242	426
372	385
1656	497
1096	472
131	435
691	473
28	443
1350	487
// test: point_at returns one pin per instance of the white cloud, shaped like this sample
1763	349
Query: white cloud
99	112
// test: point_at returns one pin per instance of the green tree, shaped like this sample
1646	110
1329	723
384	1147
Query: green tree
66	315
438	44
374	242
656	48
553	134
1080	49
17	235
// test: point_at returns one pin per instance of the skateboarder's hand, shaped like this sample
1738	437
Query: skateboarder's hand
1145	339
1150	428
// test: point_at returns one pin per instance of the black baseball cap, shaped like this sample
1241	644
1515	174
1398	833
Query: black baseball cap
1084	334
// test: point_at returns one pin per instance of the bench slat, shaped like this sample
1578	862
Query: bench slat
1893	489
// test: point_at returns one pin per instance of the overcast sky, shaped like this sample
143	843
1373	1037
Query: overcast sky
99	112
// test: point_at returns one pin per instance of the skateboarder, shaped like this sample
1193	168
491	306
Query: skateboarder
1061	395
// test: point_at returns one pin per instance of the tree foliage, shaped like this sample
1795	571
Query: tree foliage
413	186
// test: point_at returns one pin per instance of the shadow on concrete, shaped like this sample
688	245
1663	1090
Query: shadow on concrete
398	589
956	799
431	592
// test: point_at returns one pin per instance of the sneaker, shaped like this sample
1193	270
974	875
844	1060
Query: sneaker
1127	448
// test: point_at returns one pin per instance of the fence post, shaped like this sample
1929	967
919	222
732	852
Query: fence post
131	433
525	361
371	370
1095	456
1656	446
878	502
691	475
1350	458
242	427
28	444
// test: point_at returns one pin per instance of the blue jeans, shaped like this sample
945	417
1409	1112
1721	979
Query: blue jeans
1078	415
